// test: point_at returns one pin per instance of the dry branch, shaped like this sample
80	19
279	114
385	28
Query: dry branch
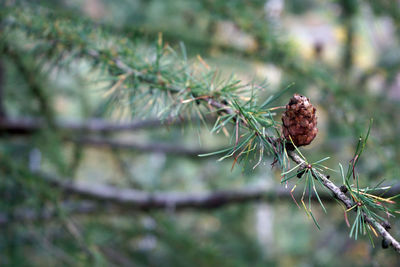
30	125
116	199
142	200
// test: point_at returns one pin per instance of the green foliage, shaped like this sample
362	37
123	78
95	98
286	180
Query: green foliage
56	57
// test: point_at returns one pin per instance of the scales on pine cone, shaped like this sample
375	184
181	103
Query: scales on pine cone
299	121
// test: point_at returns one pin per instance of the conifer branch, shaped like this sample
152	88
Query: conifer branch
338	194
181	91
116	199
22	126
37	91
165	148
142	200
30	125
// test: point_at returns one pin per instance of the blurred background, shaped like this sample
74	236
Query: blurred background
55	120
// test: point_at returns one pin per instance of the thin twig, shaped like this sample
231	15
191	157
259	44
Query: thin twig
347	201
165	148
30	125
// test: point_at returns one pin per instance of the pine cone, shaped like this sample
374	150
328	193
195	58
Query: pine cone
299	121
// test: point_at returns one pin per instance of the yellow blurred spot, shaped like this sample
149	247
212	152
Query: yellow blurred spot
340	34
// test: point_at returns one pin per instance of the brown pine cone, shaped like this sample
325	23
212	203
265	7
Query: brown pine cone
299	121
